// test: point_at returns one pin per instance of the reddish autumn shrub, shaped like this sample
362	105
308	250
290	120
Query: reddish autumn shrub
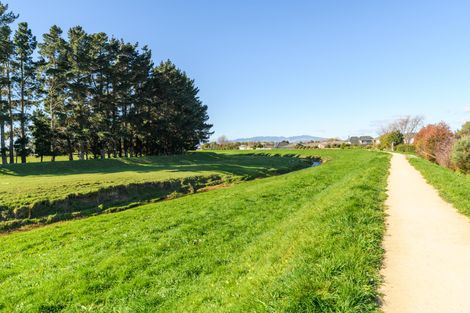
444	153
434	142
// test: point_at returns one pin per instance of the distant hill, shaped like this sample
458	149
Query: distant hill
279	138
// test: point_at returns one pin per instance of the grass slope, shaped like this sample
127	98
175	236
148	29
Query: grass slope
452	186
27	186
307	241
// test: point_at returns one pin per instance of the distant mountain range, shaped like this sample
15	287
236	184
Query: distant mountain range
303	138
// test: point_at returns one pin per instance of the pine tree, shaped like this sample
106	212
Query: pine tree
6	110
97	95
78	86
4	55
124	92
141	68
183	119
53	67
25	45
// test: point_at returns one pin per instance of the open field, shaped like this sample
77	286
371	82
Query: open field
29	191
306	241
453	187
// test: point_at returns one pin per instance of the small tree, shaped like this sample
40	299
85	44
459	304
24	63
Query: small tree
391	139
461	154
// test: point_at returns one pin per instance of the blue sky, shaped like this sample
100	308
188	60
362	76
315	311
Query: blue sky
326	68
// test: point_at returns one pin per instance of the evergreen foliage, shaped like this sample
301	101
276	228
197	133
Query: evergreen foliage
99	96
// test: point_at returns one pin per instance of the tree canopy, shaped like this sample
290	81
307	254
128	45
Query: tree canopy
92	95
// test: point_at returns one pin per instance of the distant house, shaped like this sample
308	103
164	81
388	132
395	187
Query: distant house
366	140
360	141
353	141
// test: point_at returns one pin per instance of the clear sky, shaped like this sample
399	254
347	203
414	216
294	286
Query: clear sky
325	68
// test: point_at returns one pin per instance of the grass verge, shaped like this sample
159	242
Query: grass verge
307	241
452	186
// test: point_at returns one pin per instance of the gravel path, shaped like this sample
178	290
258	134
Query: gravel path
427	248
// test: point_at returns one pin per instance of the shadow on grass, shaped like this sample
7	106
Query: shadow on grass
232	168
234	164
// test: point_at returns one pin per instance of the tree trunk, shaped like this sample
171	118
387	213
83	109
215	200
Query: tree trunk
2	144
22	115
114	148
124	142
10	116
81	150
53	133
70	149
131	147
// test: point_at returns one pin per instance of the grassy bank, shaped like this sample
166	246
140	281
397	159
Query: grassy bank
47	192
307	241
452	186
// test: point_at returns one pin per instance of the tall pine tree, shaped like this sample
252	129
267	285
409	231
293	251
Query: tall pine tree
78	80
53	67
25	44
6	104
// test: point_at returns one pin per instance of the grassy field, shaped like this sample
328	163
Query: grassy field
452	186
36	190
307	241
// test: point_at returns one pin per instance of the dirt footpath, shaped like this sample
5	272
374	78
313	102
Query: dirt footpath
427	248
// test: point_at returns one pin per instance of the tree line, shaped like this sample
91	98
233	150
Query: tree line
91	95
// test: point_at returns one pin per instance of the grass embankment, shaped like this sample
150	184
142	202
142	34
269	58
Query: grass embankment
452	186
307	241
47	192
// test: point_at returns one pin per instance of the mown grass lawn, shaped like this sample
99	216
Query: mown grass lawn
307	241
452	186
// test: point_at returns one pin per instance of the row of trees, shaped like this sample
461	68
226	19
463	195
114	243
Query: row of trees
92	95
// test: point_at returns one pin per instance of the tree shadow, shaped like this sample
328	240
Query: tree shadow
252	164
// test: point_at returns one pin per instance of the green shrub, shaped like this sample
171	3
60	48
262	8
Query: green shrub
391	139
461	154
404	148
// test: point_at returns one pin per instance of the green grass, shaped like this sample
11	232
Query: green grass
307	241
25	186
452	186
